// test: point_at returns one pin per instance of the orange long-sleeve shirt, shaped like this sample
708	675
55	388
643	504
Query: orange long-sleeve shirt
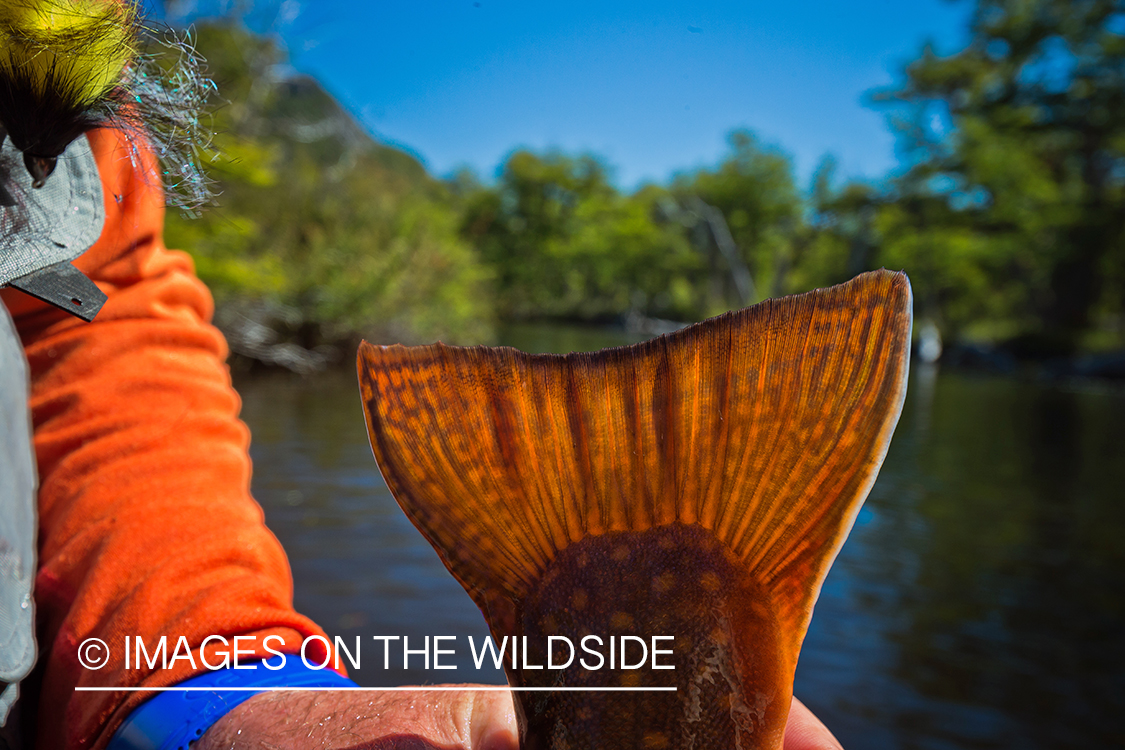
146	523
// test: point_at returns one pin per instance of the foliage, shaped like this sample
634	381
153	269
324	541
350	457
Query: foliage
565	243
754	188
341	236
1008	215
1014	201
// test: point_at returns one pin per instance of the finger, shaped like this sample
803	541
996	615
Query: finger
806	732
343	720
493	722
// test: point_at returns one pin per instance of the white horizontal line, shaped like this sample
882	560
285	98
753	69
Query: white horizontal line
435	688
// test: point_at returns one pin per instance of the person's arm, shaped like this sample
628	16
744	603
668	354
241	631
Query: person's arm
146	524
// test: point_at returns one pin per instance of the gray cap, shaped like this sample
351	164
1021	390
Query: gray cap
43	229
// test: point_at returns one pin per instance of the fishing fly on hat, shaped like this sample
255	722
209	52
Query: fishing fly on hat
68	66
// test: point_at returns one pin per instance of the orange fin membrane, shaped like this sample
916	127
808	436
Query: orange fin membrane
698	485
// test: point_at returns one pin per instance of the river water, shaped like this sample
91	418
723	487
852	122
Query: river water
979	602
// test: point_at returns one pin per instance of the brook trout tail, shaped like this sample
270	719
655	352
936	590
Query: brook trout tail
698	485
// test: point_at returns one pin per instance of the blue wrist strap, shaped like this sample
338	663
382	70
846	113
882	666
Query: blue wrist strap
173	719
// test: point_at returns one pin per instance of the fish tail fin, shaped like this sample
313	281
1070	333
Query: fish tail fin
764	426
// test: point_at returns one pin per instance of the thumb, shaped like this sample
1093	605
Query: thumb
806	732
487	720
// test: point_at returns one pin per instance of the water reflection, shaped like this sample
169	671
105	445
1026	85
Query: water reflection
359	567
979	603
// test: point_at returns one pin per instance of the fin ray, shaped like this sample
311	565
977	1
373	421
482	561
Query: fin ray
765	426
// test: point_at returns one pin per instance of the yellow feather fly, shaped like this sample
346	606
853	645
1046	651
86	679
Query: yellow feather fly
78	49
67	66
60	62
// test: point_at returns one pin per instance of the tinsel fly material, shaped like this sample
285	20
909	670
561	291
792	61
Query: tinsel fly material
67	66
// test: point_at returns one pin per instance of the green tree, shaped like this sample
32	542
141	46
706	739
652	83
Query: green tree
840	237
1015	200
563	242
333	235
754	189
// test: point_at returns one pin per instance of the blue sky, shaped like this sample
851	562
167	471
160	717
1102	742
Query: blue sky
652	87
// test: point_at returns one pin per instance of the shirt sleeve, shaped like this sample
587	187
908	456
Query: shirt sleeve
146	523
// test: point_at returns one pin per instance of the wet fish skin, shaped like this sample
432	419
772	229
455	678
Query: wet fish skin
671	580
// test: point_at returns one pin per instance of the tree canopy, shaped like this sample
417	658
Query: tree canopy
1008	212
1012	209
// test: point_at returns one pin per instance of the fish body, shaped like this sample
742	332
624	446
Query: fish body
696	486
674	580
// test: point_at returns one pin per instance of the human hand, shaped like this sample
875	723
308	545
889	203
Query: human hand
414	720
804	731
356	720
